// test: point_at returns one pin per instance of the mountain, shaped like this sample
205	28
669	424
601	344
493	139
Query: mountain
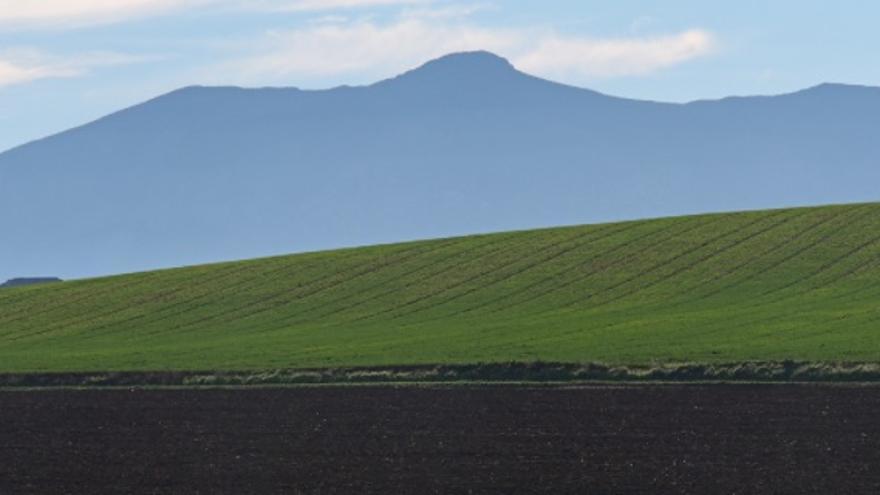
463	144
794	284
19	282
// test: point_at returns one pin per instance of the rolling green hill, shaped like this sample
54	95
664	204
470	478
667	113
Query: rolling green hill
798	284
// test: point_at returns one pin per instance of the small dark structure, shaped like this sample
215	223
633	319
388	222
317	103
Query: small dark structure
18	282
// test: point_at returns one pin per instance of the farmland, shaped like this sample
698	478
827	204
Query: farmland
597	439
798	284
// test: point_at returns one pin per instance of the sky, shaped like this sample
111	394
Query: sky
66	62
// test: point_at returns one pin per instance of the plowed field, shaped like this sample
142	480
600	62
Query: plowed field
629	439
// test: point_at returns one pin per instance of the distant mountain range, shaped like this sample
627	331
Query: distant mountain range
462	144
19	282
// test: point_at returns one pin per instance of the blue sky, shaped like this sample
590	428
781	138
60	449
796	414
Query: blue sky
65	62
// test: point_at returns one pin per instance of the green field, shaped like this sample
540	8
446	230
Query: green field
800	284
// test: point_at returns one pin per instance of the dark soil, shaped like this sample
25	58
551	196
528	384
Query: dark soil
380	439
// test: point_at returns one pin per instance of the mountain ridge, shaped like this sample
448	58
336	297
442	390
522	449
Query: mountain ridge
205	173
470	56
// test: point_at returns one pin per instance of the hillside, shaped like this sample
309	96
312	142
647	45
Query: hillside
463	144
792	283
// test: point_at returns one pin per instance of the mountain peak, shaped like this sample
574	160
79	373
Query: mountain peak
463	66
830	87
479	59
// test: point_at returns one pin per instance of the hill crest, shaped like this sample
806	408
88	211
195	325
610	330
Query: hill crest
796	285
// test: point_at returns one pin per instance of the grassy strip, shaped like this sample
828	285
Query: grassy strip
763	371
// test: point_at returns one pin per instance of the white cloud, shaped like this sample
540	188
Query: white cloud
449	11
22	65
11	73
73	13
364	50
78	13
316	5
333	49
591	58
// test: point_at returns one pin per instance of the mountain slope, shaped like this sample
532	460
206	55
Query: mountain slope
463	144
782	284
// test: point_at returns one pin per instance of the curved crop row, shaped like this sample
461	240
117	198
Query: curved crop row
784	284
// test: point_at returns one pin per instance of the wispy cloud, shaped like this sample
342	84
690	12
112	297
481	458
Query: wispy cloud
23	65
427	10
12	73
334	49
594	58
324	5
80	13
356	46
76	13
365	50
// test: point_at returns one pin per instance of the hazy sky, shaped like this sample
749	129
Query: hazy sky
65	62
